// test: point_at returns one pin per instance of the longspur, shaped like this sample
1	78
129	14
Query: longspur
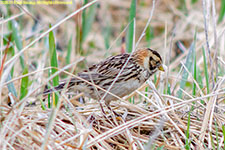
140	66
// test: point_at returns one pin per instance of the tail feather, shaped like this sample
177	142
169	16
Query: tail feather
57	88
74	81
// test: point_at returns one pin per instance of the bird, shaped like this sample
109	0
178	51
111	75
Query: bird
127	72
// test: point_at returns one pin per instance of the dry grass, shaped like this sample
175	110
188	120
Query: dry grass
156	116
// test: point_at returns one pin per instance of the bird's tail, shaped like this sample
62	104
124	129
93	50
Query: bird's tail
60	87
57	88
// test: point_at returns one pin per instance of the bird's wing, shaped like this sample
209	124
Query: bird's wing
107	69
88	76
113	65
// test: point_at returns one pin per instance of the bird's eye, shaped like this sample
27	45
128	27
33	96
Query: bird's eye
158	63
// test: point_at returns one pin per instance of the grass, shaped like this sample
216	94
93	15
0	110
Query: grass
130	32
24	84
188	64
187	141
222	11
178	110
149	35
206	71
69	50
223	129
54	65
18	42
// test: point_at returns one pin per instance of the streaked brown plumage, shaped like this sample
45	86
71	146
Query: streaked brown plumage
141	65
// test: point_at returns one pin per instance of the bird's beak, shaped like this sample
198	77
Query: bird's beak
161	68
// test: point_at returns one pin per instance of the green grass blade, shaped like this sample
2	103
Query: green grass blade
160	148
187	142
189	61
149	35
130	32
49	95
19	44
206	70
11	50
194	74
69	50
88	17
168	89
24	84
200	83
155	78
12	54
106	34
193	1
223	129
146	90
46	44
11	86
42	105
221	70
183	6
54	64
131	100
84	16
200	78
222	11
188	64
84	12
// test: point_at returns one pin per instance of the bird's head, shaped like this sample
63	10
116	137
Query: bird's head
149	59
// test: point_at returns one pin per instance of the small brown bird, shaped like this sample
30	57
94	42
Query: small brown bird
140	66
